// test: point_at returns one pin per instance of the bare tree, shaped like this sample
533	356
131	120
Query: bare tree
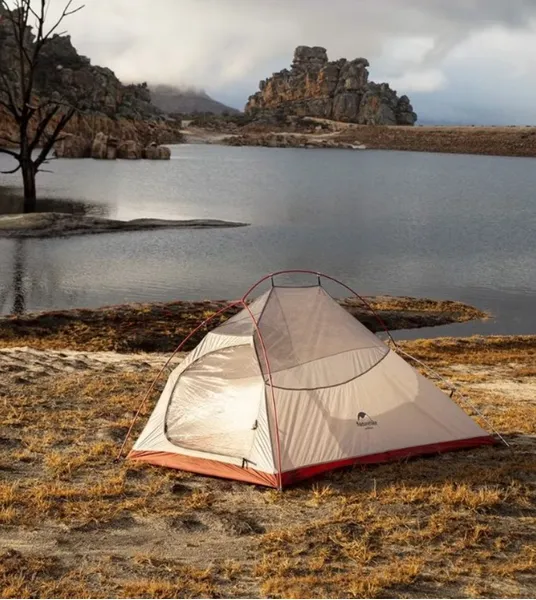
39	120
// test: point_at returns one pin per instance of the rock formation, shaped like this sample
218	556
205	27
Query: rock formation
72	146
108	147
104	103
104	147
155	152
130	150
337	90
65	75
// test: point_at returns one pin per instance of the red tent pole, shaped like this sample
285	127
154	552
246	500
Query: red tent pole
308	272
272	393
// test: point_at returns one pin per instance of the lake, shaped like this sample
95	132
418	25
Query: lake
455	227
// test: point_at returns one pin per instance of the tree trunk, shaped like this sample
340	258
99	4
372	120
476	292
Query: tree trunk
28	178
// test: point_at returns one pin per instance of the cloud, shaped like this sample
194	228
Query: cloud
427	80
227	46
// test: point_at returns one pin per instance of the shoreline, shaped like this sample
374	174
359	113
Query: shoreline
55	224
160	327
515	141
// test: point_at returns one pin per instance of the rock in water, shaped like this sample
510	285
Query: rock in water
72	146
104	147
130	149
339	90
155	152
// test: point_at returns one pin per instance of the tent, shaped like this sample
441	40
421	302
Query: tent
292	386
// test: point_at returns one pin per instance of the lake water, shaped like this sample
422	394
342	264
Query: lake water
444	226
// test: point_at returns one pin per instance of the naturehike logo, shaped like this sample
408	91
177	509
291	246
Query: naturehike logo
363	420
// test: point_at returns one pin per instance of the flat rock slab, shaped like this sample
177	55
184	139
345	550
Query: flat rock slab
64	224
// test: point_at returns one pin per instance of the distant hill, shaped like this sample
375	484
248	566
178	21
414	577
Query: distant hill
171	100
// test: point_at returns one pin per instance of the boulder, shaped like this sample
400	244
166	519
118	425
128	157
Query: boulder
130	150
111	148
104	147
98	148
72	146
338	90
155	152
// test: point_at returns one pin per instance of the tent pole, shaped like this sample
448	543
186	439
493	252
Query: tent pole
319	275
272	393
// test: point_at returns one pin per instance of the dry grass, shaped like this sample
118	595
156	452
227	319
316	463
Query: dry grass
74	523
160	327
30	576
500	141
477	350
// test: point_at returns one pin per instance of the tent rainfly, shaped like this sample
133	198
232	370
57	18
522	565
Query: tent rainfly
293	386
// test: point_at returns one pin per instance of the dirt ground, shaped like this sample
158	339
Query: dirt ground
74	523
499	141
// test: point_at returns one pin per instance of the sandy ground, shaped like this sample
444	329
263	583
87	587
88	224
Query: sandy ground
198	135
29	365
74	523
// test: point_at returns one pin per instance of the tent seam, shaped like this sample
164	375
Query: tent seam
278	441
327	387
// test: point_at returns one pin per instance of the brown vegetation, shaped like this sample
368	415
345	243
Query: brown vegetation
160	327
502	141
499	141
74	523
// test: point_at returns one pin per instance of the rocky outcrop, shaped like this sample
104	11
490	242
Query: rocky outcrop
104	104
104	147
337	90
130	150
108	147
155	152
64	75
72	146
290	140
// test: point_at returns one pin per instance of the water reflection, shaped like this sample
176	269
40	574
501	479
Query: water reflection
19	263
31	278
12	202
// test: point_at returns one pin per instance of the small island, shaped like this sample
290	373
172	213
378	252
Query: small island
63	224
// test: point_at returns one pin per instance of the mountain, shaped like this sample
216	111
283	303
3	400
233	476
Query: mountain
175	100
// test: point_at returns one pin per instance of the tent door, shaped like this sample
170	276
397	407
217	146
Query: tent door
215	404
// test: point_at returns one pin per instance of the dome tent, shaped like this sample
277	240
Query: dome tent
292	386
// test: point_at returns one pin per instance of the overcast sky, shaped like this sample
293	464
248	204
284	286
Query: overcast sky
470	61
